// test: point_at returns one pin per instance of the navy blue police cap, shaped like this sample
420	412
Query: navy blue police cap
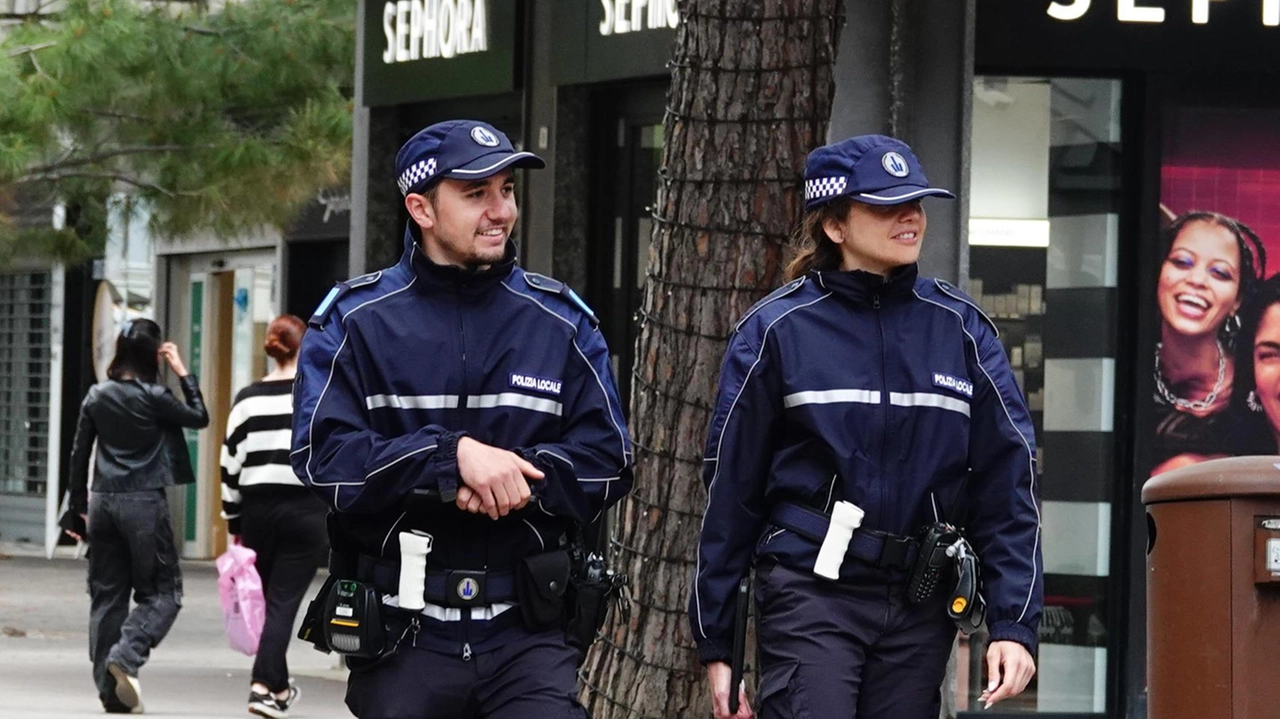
458	149
874	169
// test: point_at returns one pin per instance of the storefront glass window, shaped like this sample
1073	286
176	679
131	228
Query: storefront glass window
1043	236
25	301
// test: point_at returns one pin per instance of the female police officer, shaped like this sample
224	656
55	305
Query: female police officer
862	390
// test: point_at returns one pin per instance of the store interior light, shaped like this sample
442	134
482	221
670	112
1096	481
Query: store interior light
989	232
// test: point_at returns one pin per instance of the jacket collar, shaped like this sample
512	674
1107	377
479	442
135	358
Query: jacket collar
451	278
864	287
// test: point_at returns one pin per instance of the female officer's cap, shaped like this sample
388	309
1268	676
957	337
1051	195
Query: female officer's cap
875	169
459	149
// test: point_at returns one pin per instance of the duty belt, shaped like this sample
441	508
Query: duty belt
446	587
877	548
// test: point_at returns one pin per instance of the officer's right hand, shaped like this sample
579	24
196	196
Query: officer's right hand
497	478
719	674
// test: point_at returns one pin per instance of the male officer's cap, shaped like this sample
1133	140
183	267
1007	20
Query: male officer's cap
874	169
459	149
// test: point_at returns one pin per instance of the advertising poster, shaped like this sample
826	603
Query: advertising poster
1216	364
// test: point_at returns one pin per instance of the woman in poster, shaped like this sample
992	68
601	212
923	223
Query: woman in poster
1258	362
1213	264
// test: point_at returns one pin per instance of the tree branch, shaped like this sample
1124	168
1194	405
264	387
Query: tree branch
31	49
116	176
101	156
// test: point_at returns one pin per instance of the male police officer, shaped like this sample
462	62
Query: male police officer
457	396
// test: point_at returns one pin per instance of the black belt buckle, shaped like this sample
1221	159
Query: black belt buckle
895	551
465	588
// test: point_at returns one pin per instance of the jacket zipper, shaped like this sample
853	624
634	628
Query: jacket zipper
462	335
884	404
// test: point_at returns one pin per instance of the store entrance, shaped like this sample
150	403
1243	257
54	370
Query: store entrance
219	323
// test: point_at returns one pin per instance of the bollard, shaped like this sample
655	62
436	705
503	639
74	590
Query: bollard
1213	589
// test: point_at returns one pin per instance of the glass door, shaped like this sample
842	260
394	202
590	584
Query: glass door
1044	246
630	142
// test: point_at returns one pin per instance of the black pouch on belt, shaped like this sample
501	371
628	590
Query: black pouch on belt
541	581
312	628
353	620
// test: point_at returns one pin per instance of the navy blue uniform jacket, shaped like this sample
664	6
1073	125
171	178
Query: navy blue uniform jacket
397	366
894	395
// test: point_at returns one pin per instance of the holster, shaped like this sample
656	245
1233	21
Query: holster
592	589
542	580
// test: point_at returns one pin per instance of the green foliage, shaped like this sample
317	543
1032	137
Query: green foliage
222	121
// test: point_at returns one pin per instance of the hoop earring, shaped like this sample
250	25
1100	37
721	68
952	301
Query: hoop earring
1252	402
1232	326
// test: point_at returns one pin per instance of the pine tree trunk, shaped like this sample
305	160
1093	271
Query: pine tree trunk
750	95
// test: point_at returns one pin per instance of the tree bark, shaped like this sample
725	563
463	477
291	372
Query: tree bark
750	96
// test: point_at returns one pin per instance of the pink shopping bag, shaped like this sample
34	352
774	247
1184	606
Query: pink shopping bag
243	607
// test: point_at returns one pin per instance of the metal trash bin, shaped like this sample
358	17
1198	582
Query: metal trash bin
1213	590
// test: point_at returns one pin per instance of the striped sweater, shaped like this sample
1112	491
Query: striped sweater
255	455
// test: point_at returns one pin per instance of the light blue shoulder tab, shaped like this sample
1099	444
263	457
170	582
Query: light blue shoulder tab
556	287
330	300
777	294
950	290
318	317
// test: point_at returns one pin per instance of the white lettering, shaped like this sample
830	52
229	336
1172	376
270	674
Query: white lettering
426	29
1130	11
415	29
448	27
606	25
620	24
430	30
1075	11
479	29
389	29
463	40
1126	11
1200	12
637	14
643	15
402	30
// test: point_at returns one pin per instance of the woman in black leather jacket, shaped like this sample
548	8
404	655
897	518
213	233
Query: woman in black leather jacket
137	423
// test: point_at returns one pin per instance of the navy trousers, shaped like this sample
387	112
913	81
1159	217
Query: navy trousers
131	552
533	676
849	651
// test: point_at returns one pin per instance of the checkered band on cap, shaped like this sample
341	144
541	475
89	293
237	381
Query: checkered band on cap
416	173
824	187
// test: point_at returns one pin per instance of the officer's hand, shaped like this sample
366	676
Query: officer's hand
496	476
1009	668
469	501
719	674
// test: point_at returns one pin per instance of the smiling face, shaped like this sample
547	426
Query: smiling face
1200	280
1266	366
878	238
467	222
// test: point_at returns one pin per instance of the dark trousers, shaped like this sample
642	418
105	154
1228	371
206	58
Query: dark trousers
131	551
533	676
289	536
857	652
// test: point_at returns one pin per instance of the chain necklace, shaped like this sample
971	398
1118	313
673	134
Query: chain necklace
1199	404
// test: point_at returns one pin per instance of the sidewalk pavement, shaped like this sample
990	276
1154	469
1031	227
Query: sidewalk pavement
44	664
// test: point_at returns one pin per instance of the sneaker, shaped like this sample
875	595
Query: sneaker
294	693
268	705
128	690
